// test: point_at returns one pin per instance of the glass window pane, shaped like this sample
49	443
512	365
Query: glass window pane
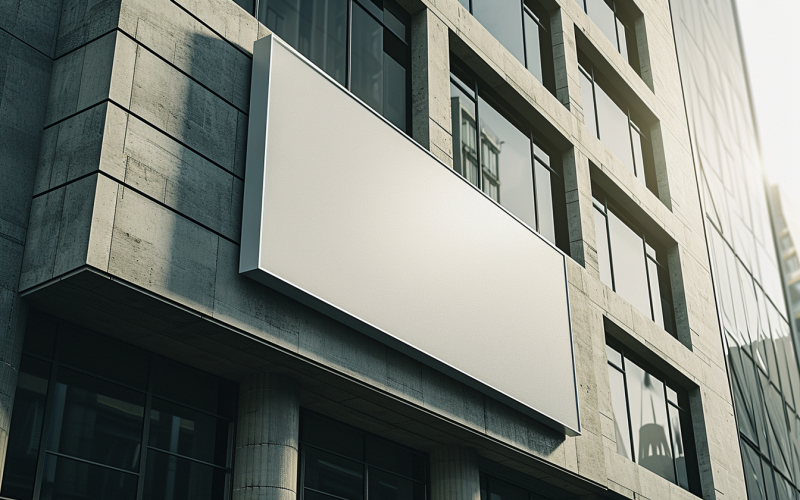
544	203
614	356
66	478
318	30
174	478
394	97
677	447
333	475
623	43
247	5
504	491
506	164
620	408
103	357
394	23
465	149
191	387
26	429
395	458
613	127
603	255
638	155
655	292
648	411
603	16
367	59
386	486
627	254
96	420
532	48
187	432
331	436
587	97
503	19
752	472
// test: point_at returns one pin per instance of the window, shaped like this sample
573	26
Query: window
496	489
611	120
362	44
94	418
631	264
523	27
504	159
339	462
651	421
617	25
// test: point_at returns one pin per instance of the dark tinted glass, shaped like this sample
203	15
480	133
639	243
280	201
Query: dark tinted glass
752	473
394	458
174	478
500	490
26	429
64	478
506	164
367	58
180	430
394	92
96	420
103	357
192	387
648	413
503	19
620	407
332	474
318	30
386	486
332	436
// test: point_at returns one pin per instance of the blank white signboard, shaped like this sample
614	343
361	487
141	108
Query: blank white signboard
345	213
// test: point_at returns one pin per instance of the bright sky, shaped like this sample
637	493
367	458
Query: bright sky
771	39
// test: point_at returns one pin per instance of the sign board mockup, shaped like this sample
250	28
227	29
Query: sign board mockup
346	214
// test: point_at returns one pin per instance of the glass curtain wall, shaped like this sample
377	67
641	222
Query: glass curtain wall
362	44
94	418
607	15
762	366
339	462
632	264
505	161
651	421
610	119
523	27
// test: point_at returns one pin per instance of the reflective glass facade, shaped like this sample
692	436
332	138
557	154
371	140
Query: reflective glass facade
761	353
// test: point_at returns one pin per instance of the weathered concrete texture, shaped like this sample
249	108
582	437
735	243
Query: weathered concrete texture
27	34
454	473
267	438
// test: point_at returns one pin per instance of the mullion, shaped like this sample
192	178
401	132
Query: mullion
191	459
148	405
628	405
90	462
48	413
649	288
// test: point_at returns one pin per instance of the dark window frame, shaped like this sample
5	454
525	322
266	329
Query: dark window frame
461	78
628	22
680	402
304	445
399	51
148	390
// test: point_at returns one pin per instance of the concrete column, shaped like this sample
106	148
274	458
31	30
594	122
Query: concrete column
430	85
565	62
580	214
267	438
454	474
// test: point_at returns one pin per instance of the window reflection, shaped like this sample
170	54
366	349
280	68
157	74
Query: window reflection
654	415
499	157
617	25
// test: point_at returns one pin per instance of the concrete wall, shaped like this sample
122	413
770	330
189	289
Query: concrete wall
135	221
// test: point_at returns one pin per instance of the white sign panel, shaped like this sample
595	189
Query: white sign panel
345	213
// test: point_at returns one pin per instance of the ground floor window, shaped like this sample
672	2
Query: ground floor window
339	462
95	418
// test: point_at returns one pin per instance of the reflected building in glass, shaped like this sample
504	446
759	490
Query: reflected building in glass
762	361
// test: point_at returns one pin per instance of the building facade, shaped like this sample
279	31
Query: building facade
378	315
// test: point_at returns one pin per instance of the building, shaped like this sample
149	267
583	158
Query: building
481	249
